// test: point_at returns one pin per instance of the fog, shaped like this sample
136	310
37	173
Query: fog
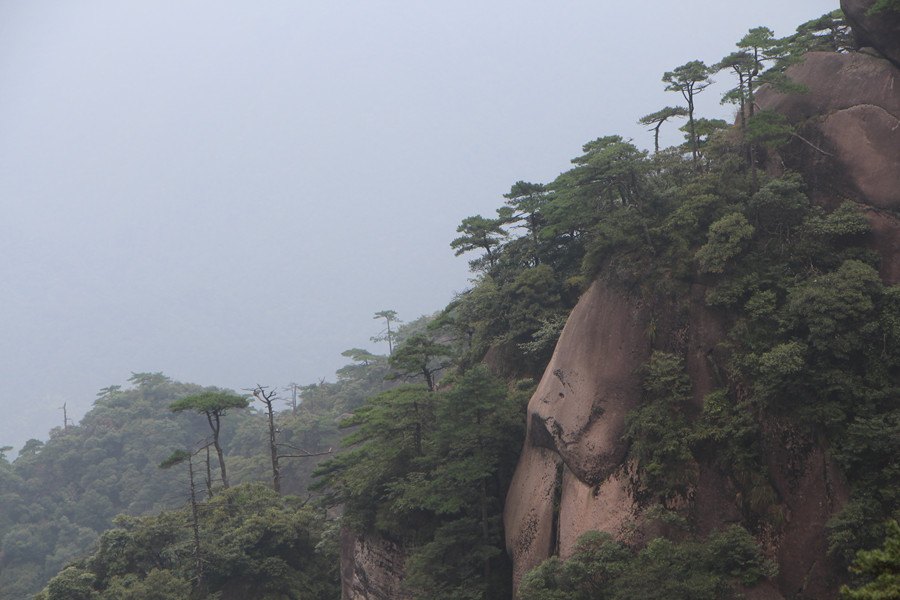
228	191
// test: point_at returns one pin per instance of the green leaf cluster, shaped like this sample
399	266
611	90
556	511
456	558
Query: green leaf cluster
694	568
253	544
880	568
658	430
432	467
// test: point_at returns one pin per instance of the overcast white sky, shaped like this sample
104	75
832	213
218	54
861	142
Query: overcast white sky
228	191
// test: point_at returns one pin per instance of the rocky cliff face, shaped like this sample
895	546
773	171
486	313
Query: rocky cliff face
371	567
573	476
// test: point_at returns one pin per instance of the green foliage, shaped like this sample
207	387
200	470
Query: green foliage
157	585
64	493
253	544
693	569
780	206
884	6
544	339
506	315
479	233
431	464
857	525
214	405
659	117
727	238
59	497
689	79
658	429
177	457
828	33
598	560
388	335
769	129
211	404
71	584
524	204
433	467
608	175
835	312
420	357
881	567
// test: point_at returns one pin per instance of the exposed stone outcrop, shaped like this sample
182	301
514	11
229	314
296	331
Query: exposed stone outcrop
573	475
371	567
574	450
880	31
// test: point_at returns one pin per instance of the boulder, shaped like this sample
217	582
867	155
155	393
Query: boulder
880	31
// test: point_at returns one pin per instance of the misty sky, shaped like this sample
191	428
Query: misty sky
228	191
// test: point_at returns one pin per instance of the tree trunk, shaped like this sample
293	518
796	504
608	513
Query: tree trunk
693	132
209	491
215	425
273	448
195	525
485	532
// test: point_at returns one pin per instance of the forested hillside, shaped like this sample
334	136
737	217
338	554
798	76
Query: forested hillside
58	497
647	327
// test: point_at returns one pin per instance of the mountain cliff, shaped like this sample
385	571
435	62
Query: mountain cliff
576	472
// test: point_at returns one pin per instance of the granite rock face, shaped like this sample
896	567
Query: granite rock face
574	450
371	567
573	475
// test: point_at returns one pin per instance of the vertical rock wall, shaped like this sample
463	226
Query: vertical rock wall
371	567
570	477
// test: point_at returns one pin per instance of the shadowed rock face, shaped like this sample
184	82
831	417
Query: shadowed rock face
880	31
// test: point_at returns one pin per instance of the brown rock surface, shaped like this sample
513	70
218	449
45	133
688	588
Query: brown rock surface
812	490
573	448
880	31
371	568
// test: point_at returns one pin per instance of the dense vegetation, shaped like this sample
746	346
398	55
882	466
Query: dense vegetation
60	497
430	431
690	569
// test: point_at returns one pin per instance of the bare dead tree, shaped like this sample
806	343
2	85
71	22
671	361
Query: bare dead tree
292	387
267	397
66	419
179	457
